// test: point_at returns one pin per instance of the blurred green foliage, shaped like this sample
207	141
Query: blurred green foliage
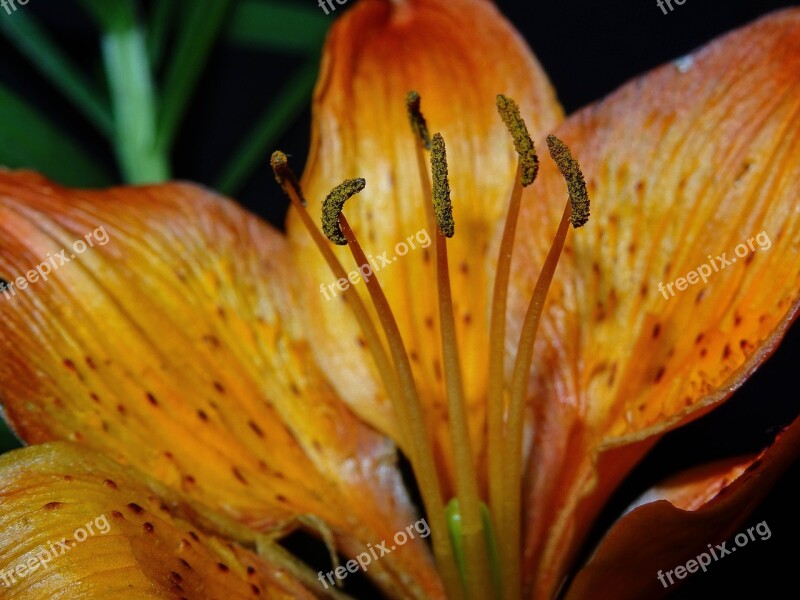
139	113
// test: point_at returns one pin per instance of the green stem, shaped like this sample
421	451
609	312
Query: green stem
132	94
134	107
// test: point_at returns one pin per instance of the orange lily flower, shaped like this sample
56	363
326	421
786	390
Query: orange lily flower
197	383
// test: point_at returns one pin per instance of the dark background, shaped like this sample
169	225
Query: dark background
588	48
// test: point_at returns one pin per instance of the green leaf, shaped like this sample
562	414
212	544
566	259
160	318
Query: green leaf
162	17
276	120
27	139
196	38
111	16
278	25
32	41
132	96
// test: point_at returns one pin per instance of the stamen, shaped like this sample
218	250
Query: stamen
528	161
286	178
284	174
418	124
420	128
527	169
576	186
410	412
332	207
477	576
510	513
496	404
415	298
442	205
410	438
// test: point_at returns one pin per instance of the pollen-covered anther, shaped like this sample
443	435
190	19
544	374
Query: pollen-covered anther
442	205
332	207
576	186
418	124
284	174
279	163
523	144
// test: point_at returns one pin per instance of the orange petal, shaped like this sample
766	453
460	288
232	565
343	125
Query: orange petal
700	157
458	54
704	506
173	346
74	524
697	486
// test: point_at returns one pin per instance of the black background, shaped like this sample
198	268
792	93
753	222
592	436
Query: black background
588	48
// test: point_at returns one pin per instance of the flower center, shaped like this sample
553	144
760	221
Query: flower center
477	546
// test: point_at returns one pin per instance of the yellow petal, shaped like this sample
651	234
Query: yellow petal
700	157
74	524
458	54
172	345
680	519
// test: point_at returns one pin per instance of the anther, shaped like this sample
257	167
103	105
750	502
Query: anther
284	174
442	205
332	207
523	144
576	186
418	124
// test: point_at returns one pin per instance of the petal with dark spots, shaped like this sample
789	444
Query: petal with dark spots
682	164
65	532
175	347
458	55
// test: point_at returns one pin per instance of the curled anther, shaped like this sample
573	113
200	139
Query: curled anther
442	205
284	174
418	123
332	207
523	144
576	186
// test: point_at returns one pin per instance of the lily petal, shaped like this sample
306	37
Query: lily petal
74	524
174	347
697	486
682	517
697	159
375	54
